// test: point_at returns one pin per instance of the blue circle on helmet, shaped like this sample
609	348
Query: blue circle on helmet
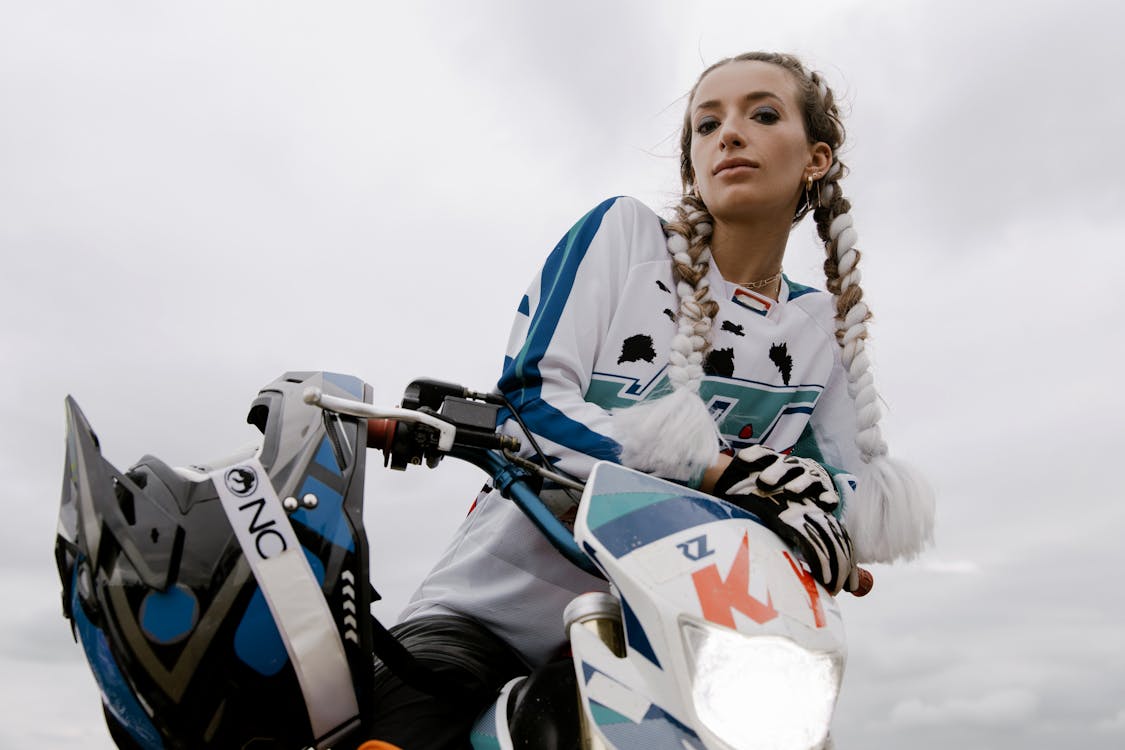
169	616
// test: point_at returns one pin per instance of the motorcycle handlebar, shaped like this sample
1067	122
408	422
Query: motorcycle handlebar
381	435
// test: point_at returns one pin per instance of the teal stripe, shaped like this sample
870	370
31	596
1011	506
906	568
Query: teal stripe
798	290
753	404
603	715
606	508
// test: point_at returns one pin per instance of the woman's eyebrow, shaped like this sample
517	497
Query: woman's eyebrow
753	96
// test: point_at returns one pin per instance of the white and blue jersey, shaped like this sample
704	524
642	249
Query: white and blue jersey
593	335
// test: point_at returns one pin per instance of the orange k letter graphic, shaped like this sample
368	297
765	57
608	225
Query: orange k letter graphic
719	596
810	588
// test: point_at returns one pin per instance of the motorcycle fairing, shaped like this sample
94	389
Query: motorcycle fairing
676	540
624	717
676	555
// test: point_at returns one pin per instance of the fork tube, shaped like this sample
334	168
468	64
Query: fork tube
525	498
600	613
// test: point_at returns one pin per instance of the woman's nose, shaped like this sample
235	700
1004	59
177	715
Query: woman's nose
730	137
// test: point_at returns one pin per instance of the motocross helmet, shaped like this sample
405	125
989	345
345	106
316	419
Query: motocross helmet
226	605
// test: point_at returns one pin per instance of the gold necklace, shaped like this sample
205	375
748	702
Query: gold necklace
760	283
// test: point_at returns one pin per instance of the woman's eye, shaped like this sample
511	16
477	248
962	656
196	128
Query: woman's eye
766	115
706	125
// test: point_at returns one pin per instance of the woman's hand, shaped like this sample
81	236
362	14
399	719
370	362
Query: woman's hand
795	498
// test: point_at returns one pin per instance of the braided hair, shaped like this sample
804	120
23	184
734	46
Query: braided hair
891	515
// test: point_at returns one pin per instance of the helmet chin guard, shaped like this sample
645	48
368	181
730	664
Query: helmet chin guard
226	605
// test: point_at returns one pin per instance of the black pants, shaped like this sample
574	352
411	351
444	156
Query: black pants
472	664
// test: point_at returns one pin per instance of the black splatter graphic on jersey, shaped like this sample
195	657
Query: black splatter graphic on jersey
671	315
779	355
636	348
734	328
662	287
719	362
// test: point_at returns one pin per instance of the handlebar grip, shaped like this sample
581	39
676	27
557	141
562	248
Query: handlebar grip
864	582
381	434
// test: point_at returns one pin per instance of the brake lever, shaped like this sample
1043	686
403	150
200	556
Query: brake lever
447	433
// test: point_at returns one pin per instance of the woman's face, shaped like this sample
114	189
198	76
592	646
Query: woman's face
749	150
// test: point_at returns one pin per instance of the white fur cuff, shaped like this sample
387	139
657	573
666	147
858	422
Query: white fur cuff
674	437
891	515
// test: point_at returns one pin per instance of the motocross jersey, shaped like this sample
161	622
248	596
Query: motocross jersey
592	335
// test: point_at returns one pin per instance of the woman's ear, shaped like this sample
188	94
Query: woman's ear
820	158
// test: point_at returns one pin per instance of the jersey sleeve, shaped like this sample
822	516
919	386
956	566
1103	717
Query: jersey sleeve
829	436
561	327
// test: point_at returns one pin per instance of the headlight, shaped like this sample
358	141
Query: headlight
761	692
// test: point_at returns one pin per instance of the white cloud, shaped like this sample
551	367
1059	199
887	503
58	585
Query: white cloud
958	567
51	706
1014	706
1113	724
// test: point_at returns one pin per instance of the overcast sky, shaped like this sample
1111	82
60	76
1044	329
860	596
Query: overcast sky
197	197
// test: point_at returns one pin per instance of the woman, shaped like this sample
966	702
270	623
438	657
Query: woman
657	345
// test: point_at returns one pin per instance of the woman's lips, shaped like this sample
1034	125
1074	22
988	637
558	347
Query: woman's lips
735	165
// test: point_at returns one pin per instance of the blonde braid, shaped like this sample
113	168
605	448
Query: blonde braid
689	238
835	227
675	436
891	516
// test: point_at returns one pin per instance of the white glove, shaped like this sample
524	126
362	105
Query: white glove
795	498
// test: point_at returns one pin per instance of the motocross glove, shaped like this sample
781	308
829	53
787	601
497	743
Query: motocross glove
794	497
